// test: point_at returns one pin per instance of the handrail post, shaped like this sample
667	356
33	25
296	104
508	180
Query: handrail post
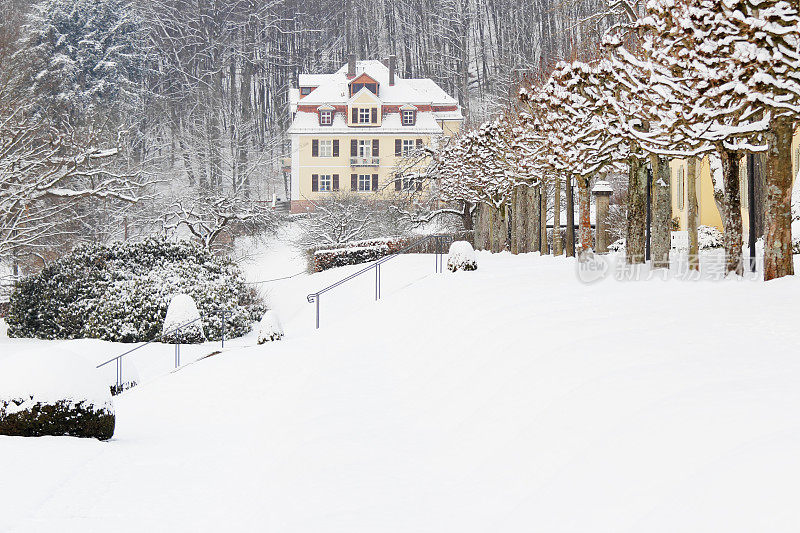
317	301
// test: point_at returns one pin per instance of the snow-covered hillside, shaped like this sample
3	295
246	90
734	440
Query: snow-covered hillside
512	398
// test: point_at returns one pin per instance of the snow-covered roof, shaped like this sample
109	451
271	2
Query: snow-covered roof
333	88
312	80
305	122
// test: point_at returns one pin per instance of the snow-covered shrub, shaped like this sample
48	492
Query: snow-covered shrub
617	246
353	253
270	328
461	257
183	323
121	292
49	391
709	237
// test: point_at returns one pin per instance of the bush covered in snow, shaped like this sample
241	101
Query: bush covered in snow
270	328
183	323
461	257
353	253
50	391
121	293
709	237
617	246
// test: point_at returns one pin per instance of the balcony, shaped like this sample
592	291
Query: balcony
364	161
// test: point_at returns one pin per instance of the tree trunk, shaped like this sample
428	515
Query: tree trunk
521	217
585	222
515	221
482	227
635	236
536	219
778	215
557	217
733	212
570	252
692	217
662	213
543	246
466	217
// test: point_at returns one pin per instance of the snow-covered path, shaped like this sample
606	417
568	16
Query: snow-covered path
513	398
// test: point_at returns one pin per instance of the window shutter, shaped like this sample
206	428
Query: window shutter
413	118
336	148
315	148
374	115
419	144
375	147
355	115
314	182
353	148
398	183
353	182
336	182
374	182
398	147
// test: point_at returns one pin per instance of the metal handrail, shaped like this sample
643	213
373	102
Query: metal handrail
118	358
438	239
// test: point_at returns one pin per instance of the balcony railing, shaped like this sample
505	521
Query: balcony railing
364	162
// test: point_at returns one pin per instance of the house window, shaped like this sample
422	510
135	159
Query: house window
326	118
325	183
681	192
305	91
326	148
364	182
355	87
365	150
408	146
408	117
364	115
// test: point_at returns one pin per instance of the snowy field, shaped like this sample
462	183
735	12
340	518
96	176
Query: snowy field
513	398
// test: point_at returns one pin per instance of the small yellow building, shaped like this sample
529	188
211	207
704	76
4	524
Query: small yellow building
706	206
351	128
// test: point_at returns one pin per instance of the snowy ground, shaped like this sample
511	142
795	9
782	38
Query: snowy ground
513	398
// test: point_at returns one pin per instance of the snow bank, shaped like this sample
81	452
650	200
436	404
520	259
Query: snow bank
51	391
461	257
182	311
270	328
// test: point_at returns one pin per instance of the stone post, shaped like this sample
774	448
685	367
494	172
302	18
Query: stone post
602	192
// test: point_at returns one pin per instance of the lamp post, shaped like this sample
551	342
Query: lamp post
751	208
648	201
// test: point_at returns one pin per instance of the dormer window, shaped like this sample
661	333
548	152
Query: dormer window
364	115
325	117
409	117
305	91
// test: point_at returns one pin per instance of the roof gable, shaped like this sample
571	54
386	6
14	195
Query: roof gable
363	78
364	96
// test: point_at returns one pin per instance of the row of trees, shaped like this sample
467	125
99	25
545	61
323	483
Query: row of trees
686	79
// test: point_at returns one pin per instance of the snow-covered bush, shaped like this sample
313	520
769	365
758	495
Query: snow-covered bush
461	257
121	293
270	328
353	253
50	391
617	246
183	323
709	237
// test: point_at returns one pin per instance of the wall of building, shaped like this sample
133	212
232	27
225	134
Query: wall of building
707	207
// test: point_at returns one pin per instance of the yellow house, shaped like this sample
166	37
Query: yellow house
351	128
708	213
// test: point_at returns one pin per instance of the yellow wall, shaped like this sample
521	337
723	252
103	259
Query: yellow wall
707	207
341	165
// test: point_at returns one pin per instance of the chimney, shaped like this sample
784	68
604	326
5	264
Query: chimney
351	66
392	64
385	62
